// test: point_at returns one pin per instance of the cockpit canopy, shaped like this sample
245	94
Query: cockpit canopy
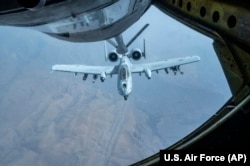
124	72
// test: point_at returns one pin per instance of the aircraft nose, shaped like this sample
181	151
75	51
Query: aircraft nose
124	88
124	85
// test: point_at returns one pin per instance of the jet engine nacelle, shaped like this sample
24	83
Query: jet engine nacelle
136	54
113	56
32	4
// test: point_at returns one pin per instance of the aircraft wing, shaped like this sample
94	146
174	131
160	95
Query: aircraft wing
138	68
95	70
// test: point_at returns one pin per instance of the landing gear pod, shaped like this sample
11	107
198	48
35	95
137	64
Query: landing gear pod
103	77
148	73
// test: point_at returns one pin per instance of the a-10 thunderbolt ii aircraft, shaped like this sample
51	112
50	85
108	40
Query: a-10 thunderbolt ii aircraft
125	68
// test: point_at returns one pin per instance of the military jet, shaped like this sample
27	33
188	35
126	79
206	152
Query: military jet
125	68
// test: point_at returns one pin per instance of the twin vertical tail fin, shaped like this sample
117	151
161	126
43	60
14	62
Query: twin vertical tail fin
144	49
105	50
121	47
137	35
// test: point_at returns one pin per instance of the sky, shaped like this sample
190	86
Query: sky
57	119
